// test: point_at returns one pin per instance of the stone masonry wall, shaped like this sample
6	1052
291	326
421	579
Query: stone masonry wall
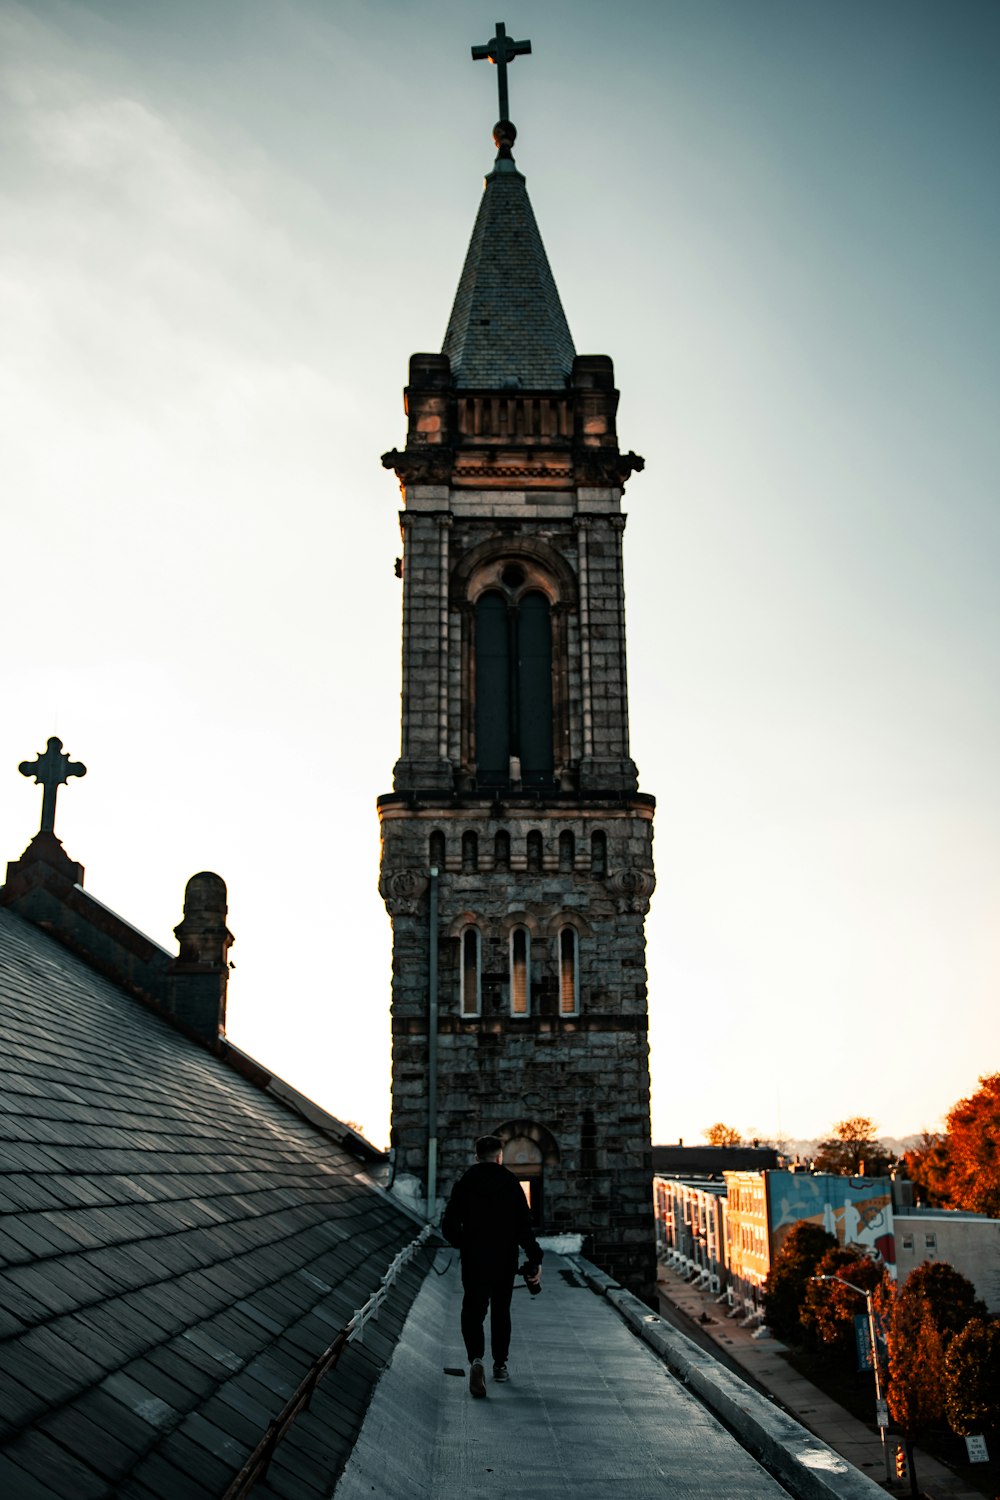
435	696
583	1078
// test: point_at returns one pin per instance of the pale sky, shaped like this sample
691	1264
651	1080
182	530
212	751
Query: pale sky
225	225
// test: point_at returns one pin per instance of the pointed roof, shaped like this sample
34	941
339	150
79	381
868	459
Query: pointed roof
507	327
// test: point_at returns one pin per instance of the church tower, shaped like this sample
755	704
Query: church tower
516	848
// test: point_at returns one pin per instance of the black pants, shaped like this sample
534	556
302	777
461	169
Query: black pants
487	1285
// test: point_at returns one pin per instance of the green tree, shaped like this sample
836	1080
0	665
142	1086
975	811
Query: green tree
722	1135
972	1378
805	1245
830	1307
853	1150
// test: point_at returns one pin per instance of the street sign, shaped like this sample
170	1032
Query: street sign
976	1448
882	1413
863	1343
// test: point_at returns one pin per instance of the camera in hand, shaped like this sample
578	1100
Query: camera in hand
530	1274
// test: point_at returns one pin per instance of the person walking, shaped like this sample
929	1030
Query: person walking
486	1219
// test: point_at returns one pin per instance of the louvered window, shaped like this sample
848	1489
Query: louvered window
471	972
513	689
520	972
569	978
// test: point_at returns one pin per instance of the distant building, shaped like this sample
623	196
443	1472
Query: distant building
728	1238
855	1210
731	1242
691	1229
748	1236
969	1242
690	1162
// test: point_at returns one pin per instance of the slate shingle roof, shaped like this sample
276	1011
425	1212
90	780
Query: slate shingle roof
507	326
176	1248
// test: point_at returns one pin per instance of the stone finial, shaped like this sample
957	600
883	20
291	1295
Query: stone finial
203	934
504	136
199	975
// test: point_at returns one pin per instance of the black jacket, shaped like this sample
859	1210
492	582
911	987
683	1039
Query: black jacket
488	1217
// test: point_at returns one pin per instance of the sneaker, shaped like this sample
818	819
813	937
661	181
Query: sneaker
500	1371
477	1379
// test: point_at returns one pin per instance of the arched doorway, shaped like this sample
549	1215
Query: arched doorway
523	1157
528	1149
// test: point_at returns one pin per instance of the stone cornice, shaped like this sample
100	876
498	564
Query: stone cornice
528	468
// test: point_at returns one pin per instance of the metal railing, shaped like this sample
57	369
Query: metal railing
256	1466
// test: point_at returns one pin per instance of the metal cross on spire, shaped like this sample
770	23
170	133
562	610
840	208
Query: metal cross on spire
501	50
51	769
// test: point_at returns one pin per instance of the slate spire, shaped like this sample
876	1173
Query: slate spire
507	328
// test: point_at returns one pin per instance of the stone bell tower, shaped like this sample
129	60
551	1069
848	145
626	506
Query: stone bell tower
516	849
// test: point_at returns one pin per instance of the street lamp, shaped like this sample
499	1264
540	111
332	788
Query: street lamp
880	1409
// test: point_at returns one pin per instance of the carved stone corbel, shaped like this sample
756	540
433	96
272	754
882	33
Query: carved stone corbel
402	892
633	889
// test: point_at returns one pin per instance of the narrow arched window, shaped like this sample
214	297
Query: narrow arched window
514	685
534	851
436	850
471	972
534	689
520	971
598	854
569	973
470	852
501	850
493	715
567	850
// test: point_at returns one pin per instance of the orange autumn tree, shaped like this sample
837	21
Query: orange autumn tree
921	1319
928	1166
830	1307
972	1378
973	1144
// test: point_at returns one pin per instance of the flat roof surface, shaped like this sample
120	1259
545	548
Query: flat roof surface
589	1410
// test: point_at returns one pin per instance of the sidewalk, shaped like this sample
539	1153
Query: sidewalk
762	1360
589	1412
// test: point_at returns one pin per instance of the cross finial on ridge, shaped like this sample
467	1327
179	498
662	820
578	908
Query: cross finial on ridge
501	50
51	769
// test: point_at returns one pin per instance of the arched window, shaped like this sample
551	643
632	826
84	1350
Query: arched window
520	971
513	684
501	850
569	973
470	852
567	850
471	1001
598	854
436	850
534	851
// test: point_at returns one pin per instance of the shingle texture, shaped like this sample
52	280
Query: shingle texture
176	1249
507	326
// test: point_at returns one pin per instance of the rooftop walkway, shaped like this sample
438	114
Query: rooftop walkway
590	1411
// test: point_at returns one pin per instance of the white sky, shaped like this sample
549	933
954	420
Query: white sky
224	228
